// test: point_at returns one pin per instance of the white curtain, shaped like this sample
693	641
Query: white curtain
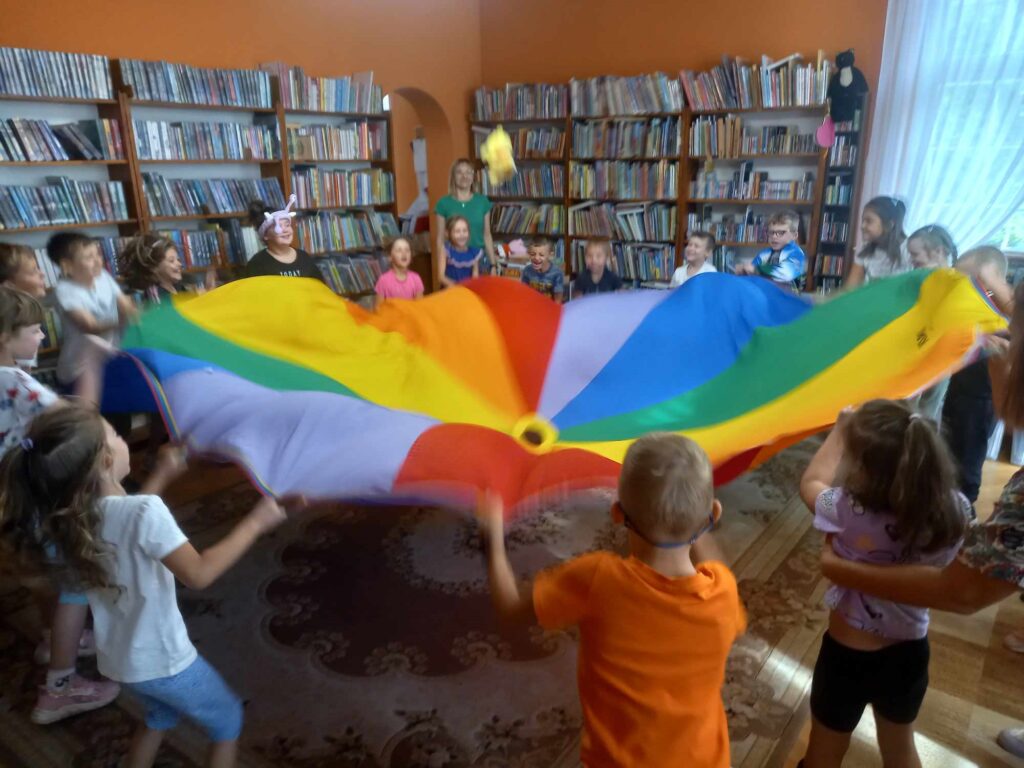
948	129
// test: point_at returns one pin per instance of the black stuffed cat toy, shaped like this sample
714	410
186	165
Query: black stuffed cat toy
846	88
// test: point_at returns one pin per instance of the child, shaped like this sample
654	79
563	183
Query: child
598	278
783	261
399	282
883	485
90	301
699	247
540	274
278	258
461	261
151	265
61	486
968	413
655	628
64	693
19	269
885	243
931	246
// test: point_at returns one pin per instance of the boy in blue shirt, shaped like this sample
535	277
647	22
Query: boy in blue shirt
597	278
783	261
540	274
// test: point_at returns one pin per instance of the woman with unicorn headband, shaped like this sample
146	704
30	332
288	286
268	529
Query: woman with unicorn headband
279	257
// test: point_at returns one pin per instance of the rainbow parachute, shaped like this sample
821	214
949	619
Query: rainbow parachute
489	385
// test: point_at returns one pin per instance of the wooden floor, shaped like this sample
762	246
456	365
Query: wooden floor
977	686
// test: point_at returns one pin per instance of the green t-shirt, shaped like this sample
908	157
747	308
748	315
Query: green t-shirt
474	210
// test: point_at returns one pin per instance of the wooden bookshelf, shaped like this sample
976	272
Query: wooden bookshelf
73	225
58	163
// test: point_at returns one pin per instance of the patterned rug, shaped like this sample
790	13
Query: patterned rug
365	638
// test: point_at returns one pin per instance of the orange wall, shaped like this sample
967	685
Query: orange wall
542	40
432	46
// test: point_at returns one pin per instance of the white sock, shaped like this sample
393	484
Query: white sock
58	679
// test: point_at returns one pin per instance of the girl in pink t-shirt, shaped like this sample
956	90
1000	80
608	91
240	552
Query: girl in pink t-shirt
399	282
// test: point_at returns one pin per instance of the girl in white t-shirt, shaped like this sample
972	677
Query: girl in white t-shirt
60	490
885	243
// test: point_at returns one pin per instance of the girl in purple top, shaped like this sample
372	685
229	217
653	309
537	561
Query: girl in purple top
883	485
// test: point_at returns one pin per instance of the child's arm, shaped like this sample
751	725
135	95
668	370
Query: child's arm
821	472
171	463
558	289
87	322
856	276
198	570
510	600
488	241
126	310
476	268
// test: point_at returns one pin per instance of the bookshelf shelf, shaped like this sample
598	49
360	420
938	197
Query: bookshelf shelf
623	199
37	163
763	156
521	121
74	225
837	206
145	161
747	244
841	169
624	159
200	216
811	109
55	100
731	201
620	240
360	207
641	116
346	115
354	249
214	107
337	161
525	198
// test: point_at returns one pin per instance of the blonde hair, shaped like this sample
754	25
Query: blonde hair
12	257
982	255
451	174
790	218
18	310
667	486
601	243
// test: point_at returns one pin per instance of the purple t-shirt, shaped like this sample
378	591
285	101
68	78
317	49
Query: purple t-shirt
863	536
390	287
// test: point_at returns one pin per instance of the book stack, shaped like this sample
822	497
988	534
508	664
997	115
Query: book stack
385	226
159	140
734	84
531	143
843	152
329	231
644	262
182	197
849	126
829	266
726	137
637	223
516	101
110	247
196	248
838	193
623	180
617	96
528	219
750	227
54	75
352	94
834	228
51	272
349	275
37	141
62	201
747	184
319	187
54	335
242	242
658	137
534	181
184	84
365	140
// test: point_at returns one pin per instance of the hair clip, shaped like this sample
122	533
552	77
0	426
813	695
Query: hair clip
27	444
915	416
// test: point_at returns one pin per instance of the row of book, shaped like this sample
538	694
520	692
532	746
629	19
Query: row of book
161	140
834	229
532	181
624	180
838	193
348	275
657	137
639	95
727	137
351	93
734	84
633	261
52	74
196	248
320	187
843	152
748	184
536	143
242	242
332	231
51	272
23	140
110	248
749	227
364	140
62	201
849	126
182	197
528	219
538	101
829	266
185	84
638	223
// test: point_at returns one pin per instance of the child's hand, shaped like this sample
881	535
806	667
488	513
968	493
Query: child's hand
171	460
997	345
490	514
267	515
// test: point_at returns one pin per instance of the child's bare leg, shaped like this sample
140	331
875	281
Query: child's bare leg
222	754
896	743
145	745
66	633
826	748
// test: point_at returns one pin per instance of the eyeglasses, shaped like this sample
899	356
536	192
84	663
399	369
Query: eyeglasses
778	232
666	544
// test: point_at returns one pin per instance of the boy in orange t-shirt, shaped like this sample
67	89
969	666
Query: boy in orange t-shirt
656	627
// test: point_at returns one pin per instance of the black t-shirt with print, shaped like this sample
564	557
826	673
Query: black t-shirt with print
585	284
263	264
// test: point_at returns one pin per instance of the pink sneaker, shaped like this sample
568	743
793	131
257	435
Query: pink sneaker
86	646
81	695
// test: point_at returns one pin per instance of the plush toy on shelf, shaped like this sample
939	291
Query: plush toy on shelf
496	152
846	88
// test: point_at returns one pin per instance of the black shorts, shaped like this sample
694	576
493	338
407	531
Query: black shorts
892	680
